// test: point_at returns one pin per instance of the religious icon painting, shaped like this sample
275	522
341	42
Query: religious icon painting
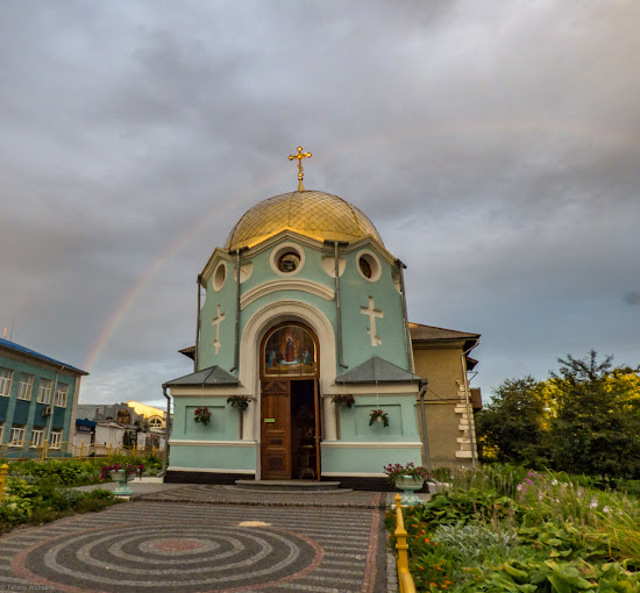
290	350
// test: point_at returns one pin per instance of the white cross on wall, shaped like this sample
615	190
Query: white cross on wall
216	321
372	313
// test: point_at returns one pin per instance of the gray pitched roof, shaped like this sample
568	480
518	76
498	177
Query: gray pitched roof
378	370
420	332
214	375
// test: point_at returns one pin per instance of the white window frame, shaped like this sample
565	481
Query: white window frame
37	438
44	391
17	436
55	439
25	387
1	431
6	378
155	423
61	395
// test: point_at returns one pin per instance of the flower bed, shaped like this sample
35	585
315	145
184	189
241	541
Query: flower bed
549	536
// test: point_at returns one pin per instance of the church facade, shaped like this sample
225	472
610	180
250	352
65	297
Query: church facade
305	364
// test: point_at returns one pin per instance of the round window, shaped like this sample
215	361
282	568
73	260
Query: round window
219	276
369	266
288	262
365	267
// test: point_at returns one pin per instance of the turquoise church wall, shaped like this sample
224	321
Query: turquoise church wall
214	457
355	293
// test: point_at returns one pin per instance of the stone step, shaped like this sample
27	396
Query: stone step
298	486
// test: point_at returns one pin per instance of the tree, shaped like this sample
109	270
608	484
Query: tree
512	428
597	418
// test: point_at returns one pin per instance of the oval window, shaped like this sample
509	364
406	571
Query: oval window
219	276
369	266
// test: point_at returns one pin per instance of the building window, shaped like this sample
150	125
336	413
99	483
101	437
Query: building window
1	431
287	260
17	436
26	387
155	423
37	437
5	381
55	440
61	395
369	266
44	391
124	417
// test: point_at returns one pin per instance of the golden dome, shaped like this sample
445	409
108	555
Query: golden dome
314	214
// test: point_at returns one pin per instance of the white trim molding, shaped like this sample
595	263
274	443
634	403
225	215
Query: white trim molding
187	443
368	445
212	470
281	284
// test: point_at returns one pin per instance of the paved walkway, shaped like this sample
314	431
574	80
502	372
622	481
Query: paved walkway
161	541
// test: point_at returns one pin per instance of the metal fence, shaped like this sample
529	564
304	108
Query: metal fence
66	450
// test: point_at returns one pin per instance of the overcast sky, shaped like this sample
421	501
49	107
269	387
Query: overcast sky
495	145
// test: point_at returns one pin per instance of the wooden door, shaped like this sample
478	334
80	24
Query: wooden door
276	430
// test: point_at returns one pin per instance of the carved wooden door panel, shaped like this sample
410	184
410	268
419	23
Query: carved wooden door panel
276	430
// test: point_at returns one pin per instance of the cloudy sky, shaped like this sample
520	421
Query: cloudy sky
495	145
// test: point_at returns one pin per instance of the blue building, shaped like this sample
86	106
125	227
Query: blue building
38	399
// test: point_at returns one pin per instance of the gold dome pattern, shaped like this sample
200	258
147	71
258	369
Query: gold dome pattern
314	214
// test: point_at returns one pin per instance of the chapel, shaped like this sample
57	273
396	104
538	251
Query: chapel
305	363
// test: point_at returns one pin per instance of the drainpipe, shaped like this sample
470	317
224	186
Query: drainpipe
236	353
195	353
470	419
407	336
423	422
336	256
167	432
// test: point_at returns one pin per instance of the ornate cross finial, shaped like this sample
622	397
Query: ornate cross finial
301	155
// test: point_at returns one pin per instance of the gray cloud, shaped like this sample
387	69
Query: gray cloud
495	146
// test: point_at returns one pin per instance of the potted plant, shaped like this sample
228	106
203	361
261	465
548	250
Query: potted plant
408	478
202	416
378	416
344	401
121	474
238	401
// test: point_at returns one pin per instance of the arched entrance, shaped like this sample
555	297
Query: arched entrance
290	410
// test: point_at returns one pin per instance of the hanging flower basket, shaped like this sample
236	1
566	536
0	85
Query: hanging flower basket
238	401
202	416
378	416
343	401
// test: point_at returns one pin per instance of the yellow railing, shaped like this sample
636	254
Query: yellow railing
4	470
66	450
405	580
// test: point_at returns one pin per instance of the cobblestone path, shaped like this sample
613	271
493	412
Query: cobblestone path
175	547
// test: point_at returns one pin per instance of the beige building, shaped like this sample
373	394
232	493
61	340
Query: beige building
442	356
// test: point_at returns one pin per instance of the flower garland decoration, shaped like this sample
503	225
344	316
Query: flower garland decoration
347	401
202	416
375	414
238	401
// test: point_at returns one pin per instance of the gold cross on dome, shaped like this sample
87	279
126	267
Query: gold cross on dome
301	155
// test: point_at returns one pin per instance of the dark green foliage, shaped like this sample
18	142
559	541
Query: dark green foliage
511	426
594	432
583	419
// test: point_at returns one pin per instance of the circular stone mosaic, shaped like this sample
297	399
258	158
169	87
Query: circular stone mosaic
169	558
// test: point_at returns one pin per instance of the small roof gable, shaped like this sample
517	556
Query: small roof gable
214	375
32	353
378	370
428	333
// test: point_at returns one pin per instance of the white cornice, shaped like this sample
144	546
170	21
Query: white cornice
281	284
192	443
368	445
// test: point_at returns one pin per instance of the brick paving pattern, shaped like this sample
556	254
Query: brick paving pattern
215	494
176	547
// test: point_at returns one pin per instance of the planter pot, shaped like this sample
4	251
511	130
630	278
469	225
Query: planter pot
409	485
123	479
